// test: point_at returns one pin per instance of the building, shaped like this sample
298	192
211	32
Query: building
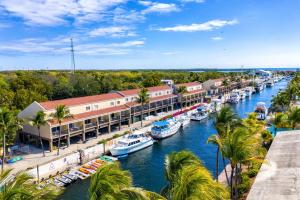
96	115
195	94
214	86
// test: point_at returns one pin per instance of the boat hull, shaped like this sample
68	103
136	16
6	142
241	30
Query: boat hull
166	133
131	149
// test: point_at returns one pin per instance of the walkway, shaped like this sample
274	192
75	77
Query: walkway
279	176
35	157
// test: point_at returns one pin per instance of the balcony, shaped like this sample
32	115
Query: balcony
125	114
56	133
75	128
90	125
114	118
103	119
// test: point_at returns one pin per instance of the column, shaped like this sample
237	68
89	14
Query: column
120	121
83	134
69	136
50	145
97	128
109	119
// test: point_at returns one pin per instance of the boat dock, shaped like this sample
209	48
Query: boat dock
279	176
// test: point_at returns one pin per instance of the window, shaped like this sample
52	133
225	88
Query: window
126	99
159	93
88	108
96	107
118	102
167	92
112	103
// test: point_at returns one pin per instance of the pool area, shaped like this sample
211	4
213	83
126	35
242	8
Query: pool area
147	165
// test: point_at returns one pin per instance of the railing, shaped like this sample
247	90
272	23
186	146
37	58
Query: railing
116	118
92	124
76	128
56	133
103	121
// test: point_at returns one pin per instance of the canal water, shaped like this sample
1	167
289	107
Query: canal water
147	166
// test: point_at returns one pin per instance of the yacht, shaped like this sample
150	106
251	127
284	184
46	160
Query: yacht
270	83
202	113
248	91
242	94
185	120
234	97
216	105
131	143
165	128
261	110
259	88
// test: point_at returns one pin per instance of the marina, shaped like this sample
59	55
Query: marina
149	173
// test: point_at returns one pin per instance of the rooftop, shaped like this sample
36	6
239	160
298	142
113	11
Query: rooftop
188	84
279	176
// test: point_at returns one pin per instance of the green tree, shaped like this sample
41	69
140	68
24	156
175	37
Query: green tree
280	121
110	182
294	117
38	121
20	187
187	178
9	124
181	90
143	99
61	113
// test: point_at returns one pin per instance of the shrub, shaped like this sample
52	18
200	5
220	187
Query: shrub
252	172
245	184
116	136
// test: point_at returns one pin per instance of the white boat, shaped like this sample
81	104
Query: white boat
248	91
261	110
270	83
165	128
234	97
242	94
131	143
185	120
202	113
216	105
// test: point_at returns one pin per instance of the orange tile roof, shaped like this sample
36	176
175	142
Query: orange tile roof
195	92
94	113
49	105
188	84
154	99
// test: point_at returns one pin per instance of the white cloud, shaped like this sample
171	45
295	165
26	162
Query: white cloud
53	12
123	16
153	7
192	1
113	31
169	53
61	45
217	38
207	26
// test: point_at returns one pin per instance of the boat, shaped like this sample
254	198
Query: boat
261	110
131	143
165	128
248	91
234	97
270	83
259	87
242	94
201	114
216	105
58	183
185	120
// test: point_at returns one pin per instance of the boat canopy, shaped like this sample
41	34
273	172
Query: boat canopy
160	123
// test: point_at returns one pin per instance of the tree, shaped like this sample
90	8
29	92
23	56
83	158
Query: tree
143	98
38	121
239	147
187	178
225	121
181	90
280	102
9	124
280	121
294	117
21	188
61	113
110	182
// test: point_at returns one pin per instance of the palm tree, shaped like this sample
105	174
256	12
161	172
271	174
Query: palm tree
294	117
110	182
280	121
188	179
280	102
61	113
239	147
21	187
181	90
225	120
38	121
9	124
143	98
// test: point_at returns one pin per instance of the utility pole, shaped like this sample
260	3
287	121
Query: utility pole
72	56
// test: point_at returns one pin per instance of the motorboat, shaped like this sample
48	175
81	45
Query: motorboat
242	94
270	83
248	91
131	143
201	114
204	107
165	128
216	105
185	120
261	110
259	87
234	97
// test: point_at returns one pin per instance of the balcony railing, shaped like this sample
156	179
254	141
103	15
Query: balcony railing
115	118
75	129
56	133
90	125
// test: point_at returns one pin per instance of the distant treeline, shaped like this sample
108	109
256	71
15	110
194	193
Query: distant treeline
19	89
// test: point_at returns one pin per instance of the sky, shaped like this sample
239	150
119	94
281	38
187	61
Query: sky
154	34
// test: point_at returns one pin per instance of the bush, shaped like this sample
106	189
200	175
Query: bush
252	172
245	184
116	136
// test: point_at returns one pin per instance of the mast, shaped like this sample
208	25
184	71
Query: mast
72	56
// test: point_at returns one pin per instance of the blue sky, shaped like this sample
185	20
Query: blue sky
115	34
